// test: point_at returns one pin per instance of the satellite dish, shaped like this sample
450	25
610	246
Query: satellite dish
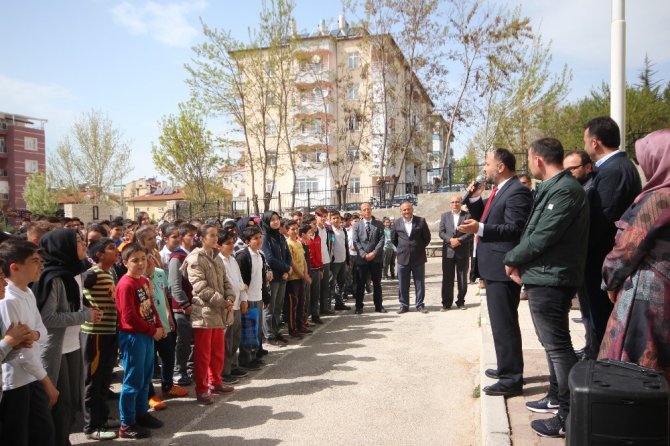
323	157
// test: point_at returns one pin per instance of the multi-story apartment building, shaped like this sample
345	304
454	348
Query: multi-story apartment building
358	117
22	152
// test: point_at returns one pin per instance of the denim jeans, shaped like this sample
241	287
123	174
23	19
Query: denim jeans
549	308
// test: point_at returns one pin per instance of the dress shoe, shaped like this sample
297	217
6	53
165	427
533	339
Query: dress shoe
499	389
444	308
461	307
317	321
341	307
381	310
305	331
295	334
358	311
491	373
261	352
327	312
423	310
402	310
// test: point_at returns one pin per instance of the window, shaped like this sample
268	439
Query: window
354	185
271	129
316	94
30	143
354	60
316	126
353	123
315	156
352	153
3	147
352	92
306	184
272	158
31	166
303	127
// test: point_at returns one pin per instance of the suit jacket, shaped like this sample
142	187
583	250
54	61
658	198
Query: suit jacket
448	231
412	247
503	226
365	245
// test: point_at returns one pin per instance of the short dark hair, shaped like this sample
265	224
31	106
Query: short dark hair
97	228
321	211
335	214
304	229
298	213
202	231
506	157
584	157
97	247
346	216
249	232
549	149
130	249
168	229
308	219
187	228
288	222
15	251
606	130
224	236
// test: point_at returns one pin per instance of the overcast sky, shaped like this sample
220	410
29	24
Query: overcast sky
126	58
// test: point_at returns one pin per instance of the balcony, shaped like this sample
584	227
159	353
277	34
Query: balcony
4	173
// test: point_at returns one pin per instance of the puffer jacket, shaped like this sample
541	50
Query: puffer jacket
211	289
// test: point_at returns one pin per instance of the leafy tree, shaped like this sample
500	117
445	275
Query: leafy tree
94	155
39	197
185	152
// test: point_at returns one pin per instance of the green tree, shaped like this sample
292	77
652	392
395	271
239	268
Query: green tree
94	155
39	197
185	152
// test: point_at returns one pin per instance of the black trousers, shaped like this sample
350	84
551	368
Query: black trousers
363	272
70	401
502	299
450	268
99	352
25	418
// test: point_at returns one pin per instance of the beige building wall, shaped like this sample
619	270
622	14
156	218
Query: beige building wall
90	213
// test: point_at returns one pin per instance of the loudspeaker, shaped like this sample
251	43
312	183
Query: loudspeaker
617	403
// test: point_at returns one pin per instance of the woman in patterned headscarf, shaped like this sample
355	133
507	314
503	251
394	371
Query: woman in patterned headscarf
636	273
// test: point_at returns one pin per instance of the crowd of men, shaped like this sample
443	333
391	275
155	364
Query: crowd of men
180	291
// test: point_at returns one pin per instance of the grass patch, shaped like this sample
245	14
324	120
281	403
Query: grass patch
476	392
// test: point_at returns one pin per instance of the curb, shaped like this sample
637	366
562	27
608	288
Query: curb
495	428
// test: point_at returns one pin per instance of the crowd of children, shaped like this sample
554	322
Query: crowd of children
199	299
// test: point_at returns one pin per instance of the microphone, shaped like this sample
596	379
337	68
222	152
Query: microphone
480	178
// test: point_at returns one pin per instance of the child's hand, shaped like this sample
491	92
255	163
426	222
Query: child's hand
51	391
308	279
244	307
229	305
160	334
269	276
18	334
97	315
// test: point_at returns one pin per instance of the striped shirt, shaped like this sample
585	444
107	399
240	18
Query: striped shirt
99	293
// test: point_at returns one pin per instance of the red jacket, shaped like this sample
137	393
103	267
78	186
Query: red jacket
135	306
315	259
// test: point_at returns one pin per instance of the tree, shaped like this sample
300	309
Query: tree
186	153
39	197
94	155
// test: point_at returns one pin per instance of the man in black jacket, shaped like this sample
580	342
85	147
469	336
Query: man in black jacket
615	185
498	225
455	254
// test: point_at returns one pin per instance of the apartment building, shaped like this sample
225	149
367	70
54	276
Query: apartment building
22	152
358	118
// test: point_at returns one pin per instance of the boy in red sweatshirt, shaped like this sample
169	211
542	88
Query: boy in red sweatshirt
139	326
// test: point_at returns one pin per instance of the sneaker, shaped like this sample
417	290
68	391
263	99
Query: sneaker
259	361
281	338
102	435
261	352
148	420
304	330
183	380
239	372
175	392
205	399
220	389
553	427
134	432
156	403
341	307
545	405
251	366
230	379
295	334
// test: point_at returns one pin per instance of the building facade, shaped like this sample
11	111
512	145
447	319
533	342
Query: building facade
358	120
22	152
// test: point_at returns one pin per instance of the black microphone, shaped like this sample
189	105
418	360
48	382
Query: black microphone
478	181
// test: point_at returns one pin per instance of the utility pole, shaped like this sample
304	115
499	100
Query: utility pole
618	67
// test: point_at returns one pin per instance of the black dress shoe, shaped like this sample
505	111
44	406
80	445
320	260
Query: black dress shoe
491	373
381	310
342	307
499	389
402	310
358	311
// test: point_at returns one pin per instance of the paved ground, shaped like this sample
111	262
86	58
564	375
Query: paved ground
375	379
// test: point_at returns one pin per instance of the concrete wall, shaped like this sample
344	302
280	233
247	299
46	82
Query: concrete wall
85	211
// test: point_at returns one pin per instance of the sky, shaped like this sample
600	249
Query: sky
126	58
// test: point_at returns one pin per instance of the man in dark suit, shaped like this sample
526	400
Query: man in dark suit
615	185
411	235
498	224
455	254
368	240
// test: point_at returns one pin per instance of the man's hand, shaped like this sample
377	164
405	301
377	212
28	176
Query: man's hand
51	391
454	242
513	273
469	226
612	294
370	256
16	335
475	191
308	279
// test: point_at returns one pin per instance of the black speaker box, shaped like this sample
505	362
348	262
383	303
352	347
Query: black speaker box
617	403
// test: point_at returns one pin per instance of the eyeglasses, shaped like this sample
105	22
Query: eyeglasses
575	167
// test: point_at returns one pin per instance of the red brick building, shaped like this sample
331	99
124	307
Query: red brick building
22	152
